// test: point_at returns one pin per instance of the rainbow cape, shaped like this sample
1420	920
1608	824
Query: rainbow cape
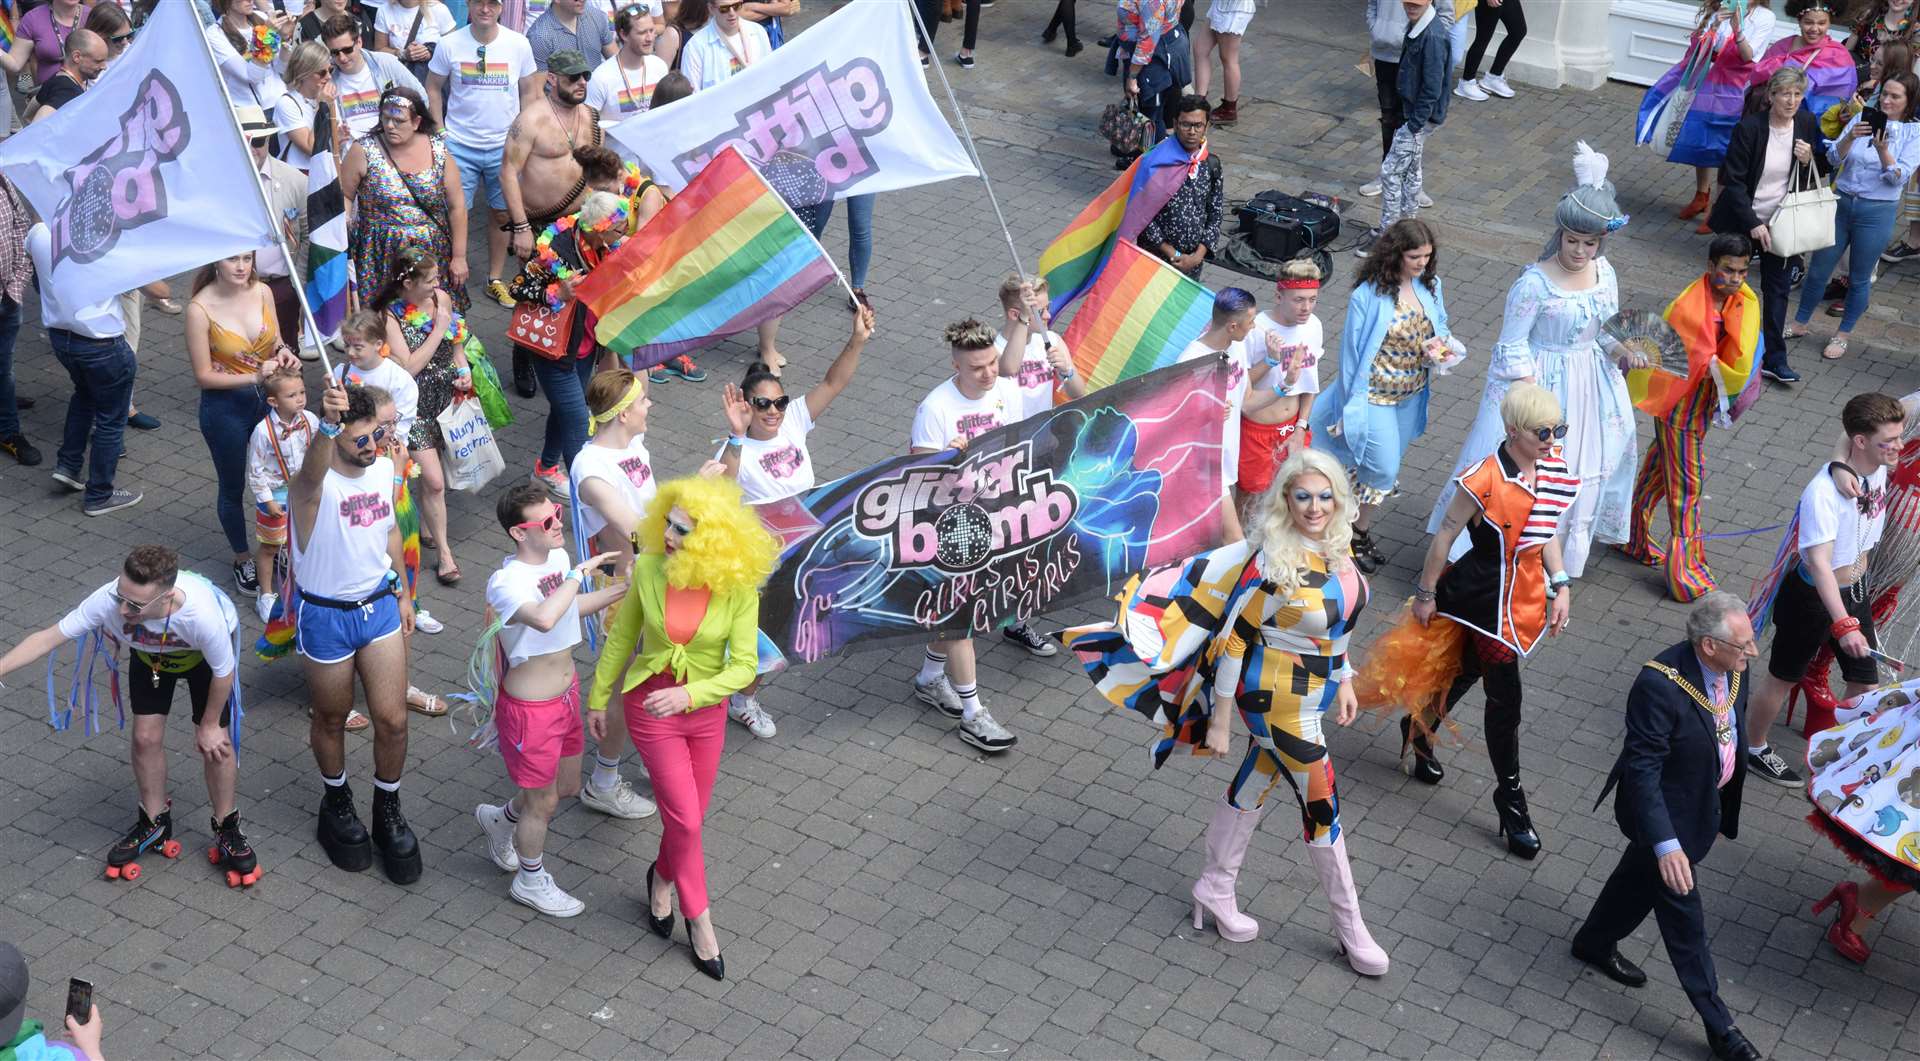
1730	358
1076	257
723	255
1139	316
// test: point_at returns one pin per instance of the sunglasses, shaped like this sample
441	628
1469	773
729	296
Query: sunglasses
764	403
129	604
726	9
1301	497
379	435
550	522
677	527
571	78
342	53
1546	433
121	38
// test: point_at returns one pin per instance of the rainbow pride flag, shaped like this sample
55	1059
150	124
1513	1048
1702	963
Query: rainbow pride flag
6	25
1722	340
1075	258
722	256
1139	316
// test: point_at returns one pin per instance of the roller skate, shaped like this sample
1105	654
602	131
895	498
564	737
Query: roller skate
341	835
146	833
399	850
231	851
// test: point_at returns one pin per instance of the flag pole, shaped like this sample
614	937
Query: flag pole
279	225
960	115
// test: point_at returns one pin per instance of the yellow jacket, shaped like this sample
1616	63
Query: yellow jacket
722	658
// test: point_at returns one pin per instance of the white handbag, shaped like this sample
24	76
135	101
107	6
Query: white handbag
1804	221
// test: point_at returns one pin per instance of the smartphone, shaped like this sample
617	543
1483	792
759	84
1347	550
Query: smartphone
79	999
1875	118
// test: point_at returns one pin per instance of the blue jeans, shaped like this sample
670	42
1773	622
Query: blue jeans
227	418
1862	226
565	384
859	234
479	171
9	330
102	371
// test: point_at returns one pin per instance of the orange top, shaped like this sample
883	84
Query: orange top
234	353
1499	587
685	609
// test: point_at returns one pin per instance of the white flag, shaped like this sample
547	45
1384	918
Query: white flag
841	110
145	174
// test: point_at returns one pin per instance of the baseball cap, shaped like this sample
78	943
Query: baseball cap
568	63
13	991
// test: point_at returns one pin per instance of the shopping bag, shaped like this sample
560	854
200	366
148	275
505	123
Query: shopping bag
486	384
473	457
1805	219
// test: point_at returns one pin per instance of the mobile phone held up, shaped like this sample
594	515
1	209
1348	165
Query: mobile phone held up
79	999
1875	118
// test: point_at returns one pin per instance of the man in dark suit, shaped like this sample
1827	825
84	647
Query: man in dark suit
1680	774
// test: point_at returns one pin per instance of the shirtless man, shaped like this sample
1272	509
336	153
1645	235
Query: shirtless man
538	175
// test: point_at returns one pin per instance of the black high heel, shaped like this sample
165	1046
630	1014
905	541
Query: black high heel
1510	803
1366	555
1425	769
662	926
715	966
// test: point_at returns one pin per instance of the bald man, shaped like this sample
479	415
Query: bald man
83	59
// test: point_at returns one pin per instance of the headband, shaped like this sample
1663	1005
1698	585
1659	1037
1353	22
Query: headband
1301	284
633	392
617	218
1613	224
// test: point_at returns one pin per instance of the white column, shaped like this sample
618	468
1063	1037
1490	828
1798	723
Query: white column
1566	45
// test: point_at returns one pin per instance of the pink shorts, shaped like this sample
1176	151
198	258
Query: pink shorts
536	734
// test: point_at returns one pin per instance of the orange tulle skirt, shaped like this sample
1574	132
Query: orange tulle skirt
1410	668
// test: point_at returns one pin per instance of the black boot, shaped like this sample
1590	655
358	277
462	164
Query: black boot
399	851
341	835
1366	556
232	852
1425	767
1510	803
523	381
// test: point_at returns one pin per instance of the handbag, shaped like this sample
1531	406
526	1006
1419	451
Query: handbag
1124	127
541	330
473	457
1804	221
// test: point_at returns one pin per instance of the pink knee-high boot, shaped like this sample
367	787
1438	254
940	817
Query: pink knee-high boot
1336	877
1228	835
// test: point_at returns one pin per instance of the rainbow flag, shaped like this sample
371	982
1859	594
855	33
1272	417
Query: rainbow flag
1139	316
1075	258
6	25
1722	341
725	254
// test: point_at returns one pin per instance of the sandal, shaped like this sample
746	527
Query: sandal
167	306
357	721
446	578
1796	330
1836	348
427	704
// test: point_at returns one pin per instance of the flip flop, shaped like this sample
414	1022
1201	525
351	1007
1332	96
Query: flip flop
433	708
357	721
446	579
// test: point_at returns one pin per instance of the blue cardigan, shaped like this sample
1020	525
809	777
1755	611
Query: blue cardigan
1344	401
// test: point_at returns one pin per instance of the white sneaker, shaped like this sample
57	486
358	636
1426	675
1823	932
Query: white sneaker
1471	90
493	822
263	605
543	895
621	801
1497	85
424	622
939	692
1424	200
747	711
1371	189
984	733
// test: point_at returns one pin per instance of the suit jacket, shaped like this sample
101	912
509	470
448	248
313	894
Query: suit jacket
1668	772
1746	156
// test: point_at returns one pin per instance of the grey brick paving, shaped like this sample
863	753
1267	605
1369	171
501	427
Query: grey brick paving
882	890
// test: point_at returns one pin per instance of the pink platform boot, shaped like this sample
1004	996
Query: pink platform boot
1336	876
1228	835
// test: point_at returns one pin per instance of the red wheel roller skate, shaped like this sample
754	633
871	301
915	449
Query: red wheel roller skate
231	851
147	833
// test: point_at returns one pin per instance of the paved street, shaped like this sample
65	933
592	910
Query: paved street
880	888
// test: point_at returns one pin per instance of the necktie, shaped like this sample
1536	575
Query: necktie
1717	690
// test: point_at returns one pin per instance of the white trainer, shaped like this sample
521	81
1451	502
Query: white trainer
1471	90
939	692
493	822
1497	85
747	711
984	733
263	605
1423	199
1371	189
539	892
424	622
621	801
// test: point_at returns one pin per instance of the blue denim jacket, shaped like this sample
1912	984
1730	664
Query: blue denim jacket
1426	67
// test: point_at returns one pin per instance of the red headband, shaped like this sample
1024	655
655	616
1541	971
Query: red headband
1296	285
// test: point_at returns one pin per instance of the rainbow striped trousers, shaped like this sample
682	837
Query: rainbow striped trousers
1674	469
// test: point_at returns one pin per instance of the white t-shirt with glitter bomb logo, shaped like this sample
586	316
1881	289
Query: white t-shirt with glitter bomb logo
1036	373
946	414
780	466
629	471
519	585
1236	397
200	625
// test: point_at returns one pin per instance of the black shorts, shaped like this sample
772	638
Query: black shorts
1802	625
146	696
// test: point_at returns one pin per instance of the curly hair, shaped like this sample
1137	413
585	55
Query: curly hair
1382	267
1283	549
728	550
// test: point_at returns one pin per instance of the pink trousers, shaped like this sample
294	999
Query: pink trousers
682	756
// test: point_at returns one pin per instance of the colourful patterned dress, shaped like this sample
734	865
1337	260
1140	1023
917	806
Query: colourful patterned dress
396	210
1864	781
435	381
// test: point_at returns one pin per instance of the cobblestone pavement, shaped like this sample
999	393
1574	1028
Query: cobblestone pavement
880	888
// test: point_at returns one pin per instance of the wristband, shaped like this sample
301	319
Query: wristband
1843	466
329	429
1064	373
1559	578
575	575
1422	595
1843	627
736	440
462	371
1271	363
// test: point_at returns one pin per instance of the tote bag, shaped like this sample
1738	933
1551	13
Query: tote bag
473	457
1804	221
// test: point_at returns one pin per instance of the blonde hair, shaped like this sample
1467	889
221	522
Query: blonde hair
729	548
1300	269
968	335
1527	406
307	59
1283	549
598	207
1011	283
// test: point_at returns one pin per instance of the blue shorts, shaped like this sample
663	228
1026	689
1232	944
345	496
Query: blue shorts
479	167
332	635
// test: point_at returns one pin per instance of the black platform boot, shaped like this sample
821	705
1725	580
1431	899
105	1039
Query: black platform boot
1510	803
399	850
341	835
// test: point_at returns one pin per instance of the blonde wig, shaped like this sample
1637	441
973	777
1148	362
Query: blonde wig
729	548
1283	549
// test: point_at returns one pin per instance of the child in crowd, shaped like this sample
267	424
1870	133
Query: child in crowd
1273	422
274	454
368	365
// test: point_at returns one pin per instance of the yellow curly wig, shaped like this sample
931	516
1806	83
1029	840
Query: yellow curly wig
729	549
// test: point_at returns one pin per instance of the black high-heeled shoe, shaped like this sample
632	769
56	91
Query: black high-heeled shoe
662	926
1425	769
1516	825
715	966
1366	555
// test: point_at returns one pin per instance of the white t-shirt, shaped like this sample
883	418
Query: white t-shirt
1236	397
946	414
293	111
482	104
396	22
347	560
201	625
518	585
1035	377
1307	344
1825	516
629	471
359	98
390	377
619	93
780	466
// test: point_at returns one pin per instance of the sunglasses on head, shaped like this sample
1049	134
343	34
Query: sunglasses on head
379	435
549	522
1548	433
764	403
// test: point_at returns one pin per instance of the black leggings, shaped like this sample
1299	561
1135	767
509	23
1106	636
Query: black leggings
1063	19
1484	19
1493	667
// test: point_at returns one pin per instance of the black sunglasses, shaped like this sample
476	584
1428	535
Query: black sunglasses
763	403
341	53
1545	433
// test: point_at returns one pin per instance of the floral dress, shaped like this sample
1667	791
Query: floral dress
1551	335
436	380
396	210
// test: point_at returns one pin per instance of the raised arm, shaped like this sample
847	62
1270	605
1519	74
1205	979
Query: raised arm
841	372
